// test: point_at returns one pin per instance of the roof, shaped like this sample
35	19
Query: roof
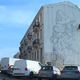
60	3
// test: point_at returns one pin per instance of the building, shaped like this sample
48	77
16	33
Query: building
54	35
17	55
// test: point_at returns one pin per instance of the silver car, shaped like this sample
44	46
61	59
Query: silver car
70	72
49	72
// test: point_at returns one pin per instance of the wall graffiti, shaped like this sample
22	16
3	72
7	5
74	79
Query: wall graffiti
63	35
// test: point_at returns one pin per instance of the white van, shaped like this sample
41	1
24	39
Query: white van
26	68
7	64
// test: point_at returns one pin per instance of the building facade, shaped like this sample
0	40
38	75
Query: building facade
16	55
54	35
31	45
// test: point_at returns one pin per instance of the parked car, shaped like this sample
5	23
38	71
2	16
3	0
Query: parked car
49	72
26	68
72	72
7	64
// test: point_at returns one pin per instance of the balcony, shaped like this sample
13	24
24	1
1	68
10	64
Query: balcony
21	47
29	49
29	36
25	42
36	43
21	56
36	27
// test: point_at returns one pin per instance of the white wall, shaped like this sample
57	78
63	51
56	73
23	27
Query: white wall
60	32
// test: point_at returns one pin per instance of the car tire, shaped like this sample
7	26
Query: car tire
39	79
31	74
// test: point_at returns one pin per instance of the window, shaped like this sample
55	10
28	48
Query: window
47	68
71	68
79	27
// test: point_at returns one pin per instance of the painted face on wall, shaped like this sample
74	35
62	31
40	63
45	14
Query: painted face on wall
65	37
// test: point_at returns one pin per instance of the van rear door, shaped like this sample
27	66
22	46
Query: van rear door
20	68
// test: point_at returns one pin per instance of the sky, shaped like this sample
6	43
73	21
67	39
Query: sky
15	18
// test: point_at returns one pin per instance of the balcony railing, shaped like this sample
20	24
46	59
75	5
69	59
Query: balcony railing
20	48
21	56
29	49
36	43
36	27
29	36
25	42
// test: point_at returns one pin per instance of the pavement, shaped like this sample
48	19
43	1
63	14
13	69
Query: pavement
8	77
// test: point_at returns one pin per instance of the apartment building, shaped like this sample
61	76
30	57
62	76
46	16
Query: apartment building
32	44
54	35
16	55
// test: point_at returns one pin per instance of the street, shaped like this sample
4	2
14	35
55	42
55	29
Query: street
8	77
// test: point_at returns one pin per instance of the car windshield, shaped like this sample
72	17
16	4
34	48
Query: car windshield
47	68
41	64
70	68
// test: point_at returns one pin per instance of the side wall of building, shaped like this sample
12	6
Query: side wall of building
62	34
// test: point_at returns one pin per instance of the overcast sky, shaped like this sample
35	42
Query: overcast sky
15	18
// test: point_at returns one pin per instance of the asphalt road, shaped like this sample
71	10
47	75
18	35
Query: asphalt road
7	77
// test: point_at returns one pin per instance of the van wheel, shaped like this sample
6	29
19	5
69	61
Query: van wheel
31	74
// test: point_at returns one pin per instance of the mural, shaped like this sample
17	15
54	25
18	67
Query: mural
64	38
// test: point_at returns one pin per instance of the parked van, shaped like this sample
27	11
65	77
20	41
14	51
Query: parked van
26	68
7	64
